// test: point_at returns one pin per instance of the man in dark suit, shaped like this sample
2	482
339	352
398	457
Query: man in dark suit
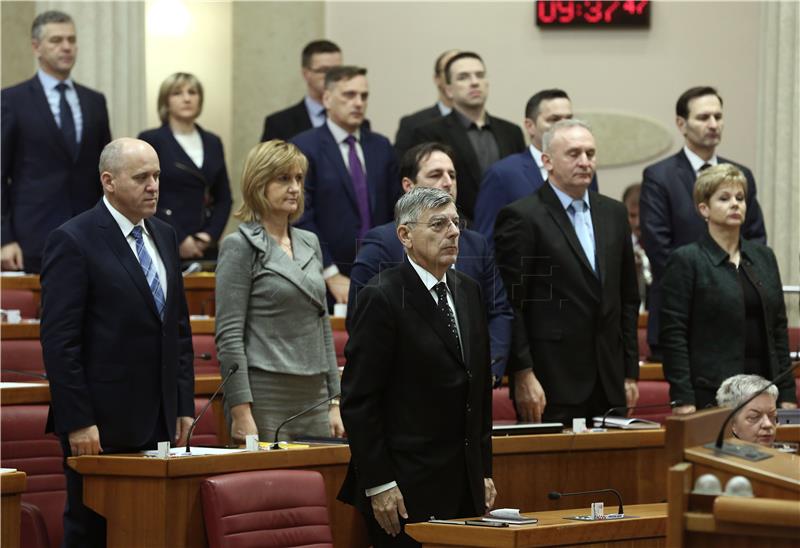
444	105
416	392
351	184
477	139
668	215
115	329
566	258
317	59
522	174
52	133
430	165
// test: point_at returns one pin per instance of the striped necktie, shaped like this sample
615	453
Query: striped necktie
150	272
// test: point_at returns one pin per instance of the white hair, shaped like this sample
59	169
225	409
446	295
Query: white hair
549	135
734	390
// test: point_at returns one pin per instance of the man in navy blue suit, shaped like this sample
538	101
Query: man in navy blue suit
351	184
431	165
115	331
668	216
52	133
521	174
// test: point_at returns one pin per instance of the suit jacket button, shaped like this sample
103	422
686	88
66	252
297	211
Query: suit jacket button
466	443
469	409
322	313
168	211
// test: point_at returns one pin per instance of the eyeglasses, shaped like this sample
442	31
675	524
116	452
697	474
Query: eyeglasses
440	224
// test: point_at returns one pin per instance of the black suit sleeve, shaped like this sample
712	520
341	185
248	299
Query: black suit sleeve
370	354
7	158
185	348
753	228
629	293
221	195
657	236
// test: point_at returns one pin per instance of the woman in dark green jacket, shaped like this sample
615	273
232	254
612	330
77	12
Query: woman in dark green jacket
723	311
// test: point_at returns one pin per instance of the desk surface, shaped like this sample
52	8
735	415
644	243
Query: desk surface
552	530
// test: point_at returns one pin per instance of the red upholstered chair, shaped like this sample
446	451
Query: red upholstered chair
204	347
502	407
339	342
26	447
19	299
654	393
32	527
265	509
205	433
21	355
644	348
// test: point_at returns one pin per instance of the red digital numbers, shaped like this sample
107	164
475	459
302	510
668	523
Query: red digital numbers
619	13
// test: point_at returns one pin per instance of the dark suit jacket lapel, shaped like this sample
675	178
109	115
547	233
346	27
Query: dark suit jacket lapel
119	245
330	148
685	173
505	145
373	167
86	113
462	313
600	239
301	117
462	144
39	100
165	250
531	171
182	160
556	211
415	293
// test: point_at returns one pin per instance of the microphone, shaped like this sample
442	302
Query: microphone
732	449
673	403
35	375
206	356
275	444
555	495
233	370
192	268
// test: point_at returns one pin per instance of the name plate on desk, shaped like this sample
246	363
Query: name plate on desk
527	428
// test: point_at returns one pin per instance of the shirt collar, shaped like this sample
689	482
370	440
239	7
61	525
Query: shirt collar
537	156
696	161
428	279
339	134
467	123
125	225
565	199
313	107
50	82
444	110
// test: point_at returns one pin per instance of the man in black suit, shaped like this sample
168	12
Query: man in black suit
416	391
566	258
404	139
115	329
317	59
669	218
52	133
477	139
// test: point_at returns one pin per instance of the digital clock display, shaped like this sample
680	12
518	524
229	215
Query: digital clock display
628	13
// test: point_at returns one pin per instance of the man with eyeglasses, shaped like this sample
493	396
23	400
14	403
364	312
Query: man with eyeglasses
430	165
317	59
566	257
416	390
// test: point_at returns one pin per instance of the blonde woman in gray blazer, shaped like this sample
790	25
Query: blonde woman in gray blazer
272	317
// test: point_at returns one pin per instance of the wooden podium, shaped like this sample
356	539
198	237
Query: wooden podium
770	518
645	530
12	484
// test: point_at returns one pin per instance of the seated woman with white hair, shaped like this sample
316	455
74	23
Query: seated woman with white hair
757	420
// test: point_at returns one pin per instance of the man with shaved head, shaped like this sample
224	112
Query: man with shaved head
115	328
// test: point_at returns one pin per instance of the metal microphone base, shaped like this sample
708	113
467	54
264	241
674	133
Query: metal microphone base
746	452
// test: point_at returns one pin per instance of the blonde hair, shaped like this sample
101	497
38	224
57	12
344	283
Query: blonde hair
266	162
173	82
714	177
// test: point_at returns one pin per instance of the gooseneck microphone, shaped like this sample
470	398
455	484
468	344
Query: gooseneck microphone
275	444
673	403
205	356
234	369
34	374
757	393
555	495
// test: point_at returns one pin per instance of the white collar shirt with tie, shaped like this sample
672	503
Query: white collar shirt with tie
580	215
49	84
126	227
697	162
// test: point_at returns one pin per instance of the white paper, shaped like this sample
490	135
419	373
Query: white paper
195	451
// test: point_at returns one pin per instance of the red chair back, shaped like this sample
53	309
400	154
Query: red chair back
502	407
205	433
21	355
339	342
19	299
654	393
266	509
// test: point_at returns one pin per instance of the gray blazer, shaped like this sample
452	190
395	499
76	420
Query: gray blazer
271	310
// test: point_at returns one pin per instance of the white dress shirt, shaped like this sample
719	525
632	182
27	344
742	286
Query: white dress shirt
537	158
49	84
697	162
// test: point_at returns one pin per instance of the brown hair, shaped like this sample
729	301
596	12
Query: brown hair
173	82
714	177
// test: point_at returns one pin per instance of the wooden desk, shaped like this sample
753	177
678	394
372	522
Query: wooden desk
12	484
648	529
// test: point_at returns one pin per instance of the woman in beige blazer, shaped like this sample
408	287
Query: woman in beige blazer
272	317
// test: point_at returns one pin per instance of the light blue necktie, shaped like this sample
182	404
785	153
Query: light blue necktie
150	271
582	220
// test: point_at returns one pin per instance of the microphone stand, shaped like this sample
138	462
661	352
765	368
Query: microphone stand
234	369
555	495
275	444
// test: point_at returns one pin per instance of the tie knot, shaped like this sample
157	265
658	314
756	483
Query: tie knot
62	87
704	167
137	233
441	291
578	206
350	140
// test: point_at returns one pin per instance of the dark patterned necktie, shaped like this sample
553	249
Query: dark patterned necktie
359	179
447	314
150	272
66	120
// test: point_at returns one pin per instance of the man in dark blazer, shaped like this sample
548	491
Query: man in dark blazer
416	392
317	59
115	329
477	139
571	279
522	174
404	139
429	165
668	216
52	133
352	183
